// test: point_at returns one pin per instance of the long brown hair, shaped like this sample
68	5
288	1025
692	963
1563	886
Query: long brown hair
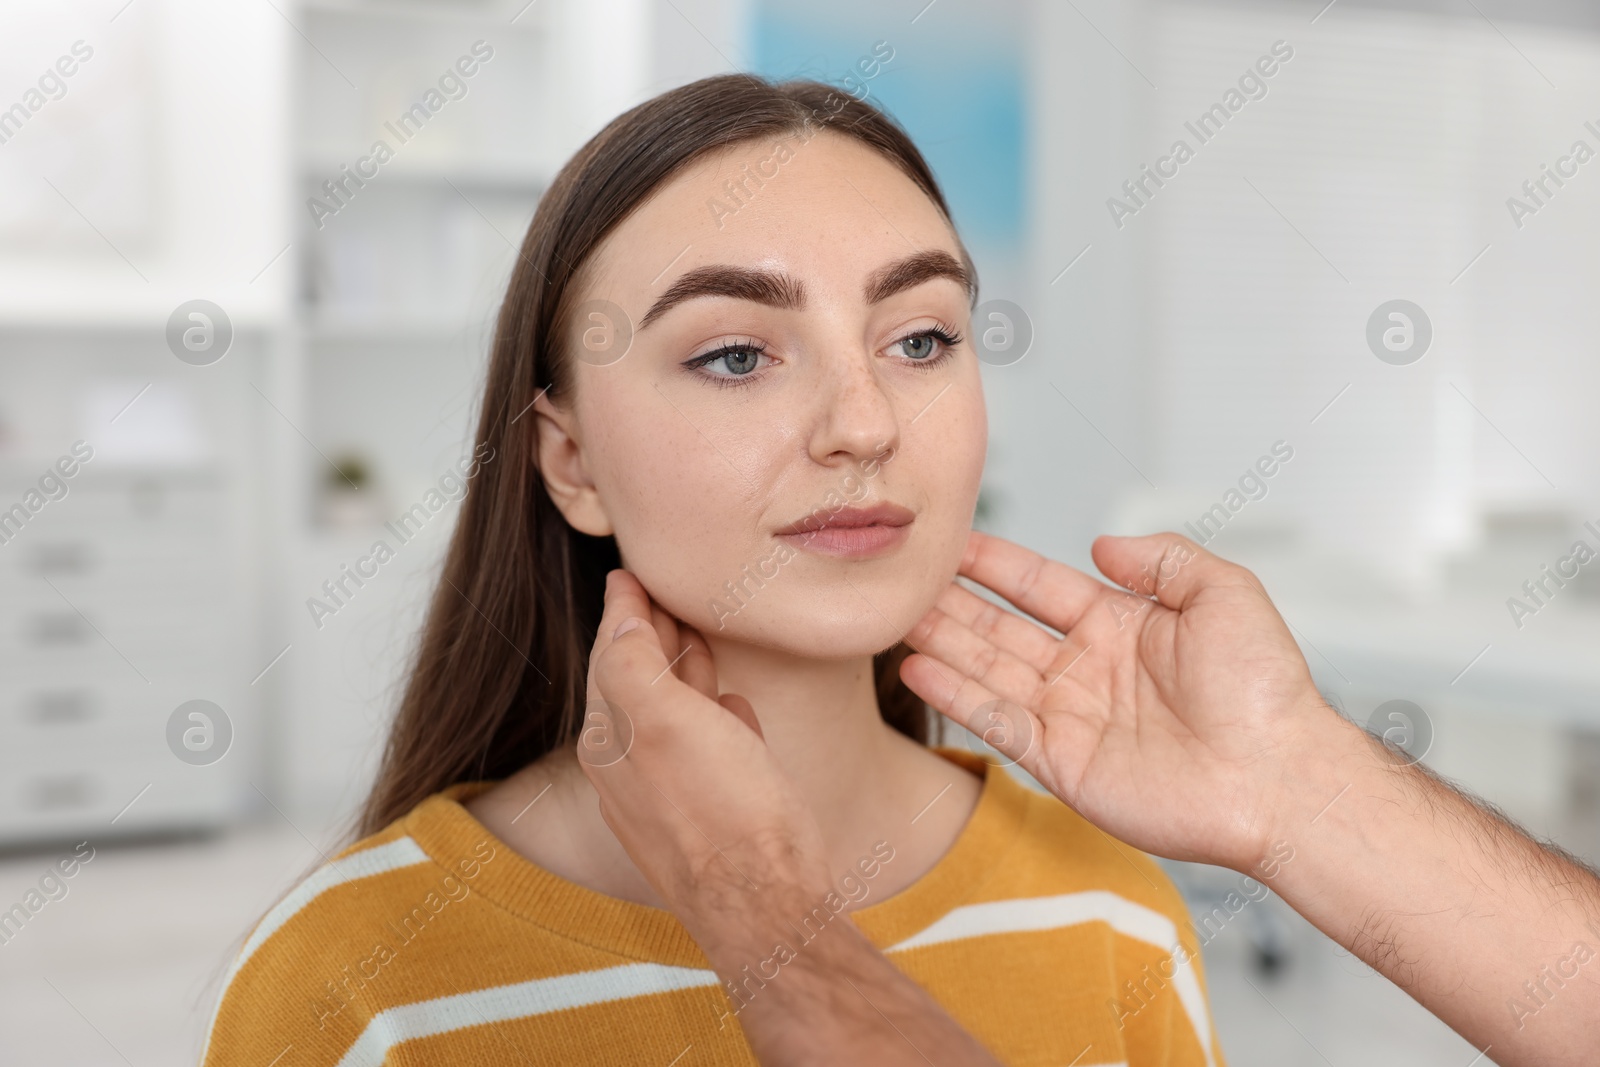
500	672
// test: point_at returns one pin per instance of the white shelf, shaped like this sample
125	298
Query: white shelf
322	164
336	329
396	305
527	16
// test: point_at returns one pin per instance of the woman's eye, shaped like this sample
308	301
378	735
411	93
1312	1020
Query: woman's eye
928	347
918	346
741	361
729	362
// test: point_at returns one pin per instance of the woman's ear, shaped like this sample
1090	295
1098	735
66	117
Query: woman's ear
562	466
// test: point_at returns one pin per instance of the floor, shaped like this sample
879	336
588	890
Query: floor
123	970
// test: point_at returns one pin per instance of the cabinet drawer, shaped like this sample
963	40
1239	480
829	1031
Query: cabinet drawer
57	642
55	795
60	714
153	559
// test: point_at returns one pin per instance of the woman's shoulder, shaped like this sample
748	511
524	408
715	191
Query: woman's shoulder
313	965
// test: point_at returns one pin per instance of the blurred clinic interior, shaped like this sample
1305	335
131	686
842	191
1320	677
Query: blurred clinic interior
1375	265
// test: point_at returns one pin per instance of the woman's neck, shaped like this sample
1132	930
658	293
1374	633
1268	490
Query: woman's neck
863	780
821	721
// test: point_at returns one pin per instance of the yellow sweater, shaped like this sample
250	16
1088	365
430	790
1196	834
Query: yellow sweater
431	942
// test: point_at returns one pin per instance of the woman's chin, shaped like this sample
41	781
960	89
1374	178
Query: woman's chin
820	634
817	616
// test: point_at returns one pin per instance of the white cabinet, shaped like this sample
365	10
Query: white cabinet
115	607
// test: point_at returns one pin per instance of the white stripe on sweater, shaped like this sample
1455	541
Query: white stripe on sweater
1071	909
524	999
500	1003
401	852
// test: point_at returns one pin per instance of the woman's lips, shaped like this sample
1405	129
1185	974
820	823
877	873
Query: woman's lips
851	533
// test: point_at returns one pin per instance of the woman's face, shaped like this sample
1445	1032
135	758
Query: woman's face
799	354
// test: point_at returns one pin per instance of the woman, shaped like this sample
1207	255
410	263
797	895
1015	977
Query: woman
733	361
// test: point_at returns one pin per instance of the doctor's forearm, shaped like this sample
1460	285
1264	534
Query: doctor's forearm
1496	935
833	999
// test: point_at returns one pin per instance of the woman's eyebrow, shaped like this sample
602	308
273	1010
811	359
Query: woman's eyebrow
742	283
914	270
779	290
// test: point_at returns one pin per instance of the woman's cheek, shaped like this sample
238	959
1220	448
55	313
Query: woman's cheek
683	539
960	443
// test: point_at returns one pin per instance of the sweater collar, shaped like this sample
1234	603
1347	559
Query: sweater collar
449	833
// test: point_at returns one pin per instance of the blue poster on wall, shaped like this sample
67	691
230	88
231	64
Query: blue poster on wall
951	76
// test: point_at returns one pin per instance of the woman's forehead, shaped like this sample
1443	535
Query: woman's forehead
830	209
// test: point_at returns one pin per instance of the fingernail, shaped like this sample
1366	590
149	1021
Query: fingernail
625	626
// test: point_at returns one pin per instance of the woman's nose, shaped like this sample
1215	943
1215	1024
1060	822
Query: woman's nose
856	412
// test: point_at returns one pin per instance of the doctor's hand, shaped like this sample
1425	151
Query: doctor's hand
1177	719
654	727
705	812
1185	722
